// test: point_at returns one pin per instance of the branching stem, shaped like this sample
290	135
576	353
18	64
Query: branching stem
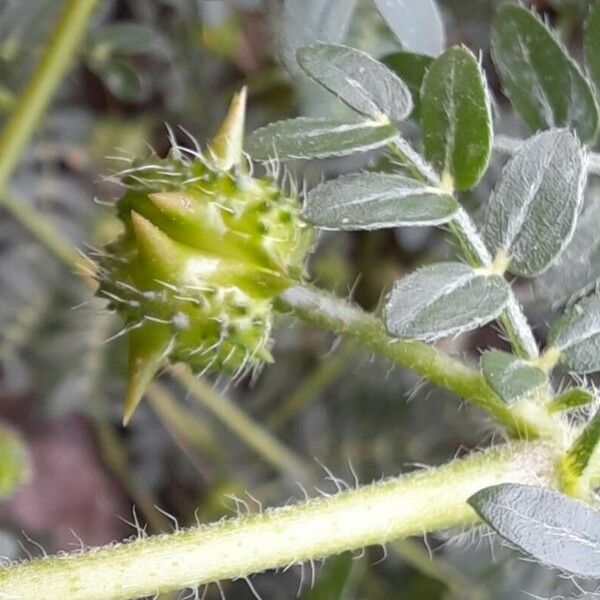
345	319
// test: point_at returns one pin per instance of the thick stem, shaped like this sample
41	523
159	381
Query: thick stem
343	318
33	100
375	514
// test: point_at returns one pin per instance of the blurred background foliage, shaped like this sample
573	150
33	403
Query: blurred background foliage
69	474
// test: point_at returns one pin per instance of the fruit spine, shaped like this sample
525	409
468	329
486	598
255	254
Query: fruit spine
206	248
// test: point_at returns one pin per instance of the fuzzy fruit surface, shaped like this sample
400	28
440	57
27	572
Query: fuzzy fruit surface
203	254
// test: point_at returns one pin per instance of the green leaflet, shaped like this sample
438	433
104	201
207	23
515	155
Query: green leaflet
411	68
306	137
416	23
444	299
577	335
591	43
569	399
509	376
456	118
333	579
377	201
14	461
532	213
580	453
357	79
543	83
554	529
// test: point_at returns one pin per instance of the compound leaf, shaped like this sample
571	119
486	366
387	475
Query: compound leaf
363	83
377	201
444	299
456	118
543	83
510	377
556	530
577	335
533	211
416	23
307	137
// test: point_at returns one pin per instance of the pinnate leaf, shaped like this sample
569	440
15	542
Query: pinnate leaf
456	118
363	83
556	530
416	23
377	201
544	84
444	299
577	335
307	137
533	211
510	377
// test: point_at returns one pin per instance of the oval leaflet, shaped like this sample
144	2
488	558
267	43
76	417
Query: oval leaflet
357	79
377	201
444	299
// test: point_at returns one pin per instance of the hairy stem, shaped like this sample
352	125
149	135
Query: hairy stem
33	100
375	514
331	313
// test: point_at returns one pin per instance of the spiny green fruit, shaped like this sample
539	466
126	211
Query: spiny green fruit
205	250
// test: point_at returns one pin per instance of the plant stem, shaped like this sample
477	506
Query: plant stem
423	501
345	319
247	430
33	100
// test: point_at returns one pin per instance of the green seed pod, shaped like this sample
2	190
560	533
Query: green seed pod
206	249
